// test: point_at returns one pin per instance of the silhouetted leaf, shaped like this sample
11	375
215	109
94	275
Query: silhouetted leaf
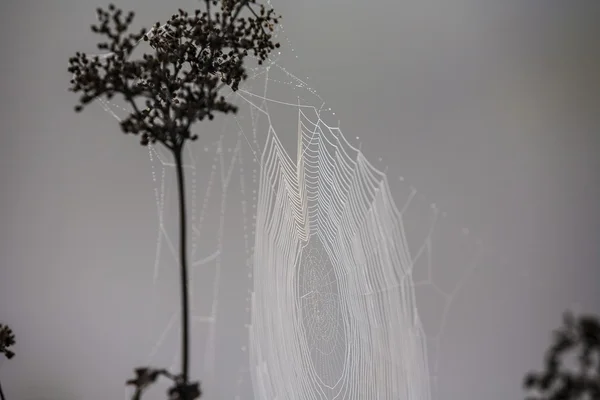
185	391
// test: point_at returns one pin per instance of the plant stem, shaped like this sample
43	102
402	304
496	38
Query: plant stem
2	393
178	153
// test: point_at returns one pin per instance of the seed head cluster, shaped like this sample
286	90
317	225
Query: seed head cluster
194	56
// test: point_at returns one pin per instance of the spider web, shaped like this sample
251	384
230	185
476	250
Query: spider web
307	281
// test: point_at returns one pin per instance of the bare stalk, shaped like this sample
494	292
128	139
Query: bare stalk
185	337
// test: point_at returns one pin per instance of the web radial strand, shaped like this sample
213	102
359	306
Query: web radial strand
333	308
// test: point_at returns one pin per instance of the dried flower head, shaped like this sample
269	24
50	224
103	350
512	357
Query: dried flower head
194	57
7	340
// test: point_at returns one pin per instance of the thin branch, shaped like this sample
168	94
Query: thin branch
1	393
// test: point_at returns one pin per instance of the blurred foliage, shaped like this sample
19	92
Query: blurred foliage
572	363
7	340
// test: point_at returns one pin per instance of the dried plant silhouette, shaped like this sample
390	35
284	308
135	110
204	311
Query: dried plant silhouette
195	56
576	342
7	340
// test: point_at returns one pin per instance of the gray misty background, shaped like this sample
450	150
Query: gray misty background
489	108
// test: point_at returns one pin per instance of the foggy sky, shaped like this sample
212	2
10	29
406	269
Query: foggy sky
490	109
